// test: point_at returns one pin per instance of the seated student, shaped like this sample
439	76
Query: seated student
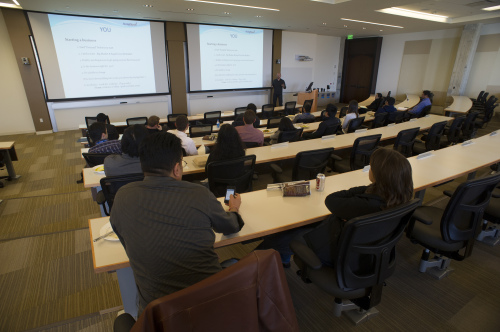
247	132
330	120
153	125
252	107
128	162
228	145
388	106
425	100
352	113
112	131
285	125
99	135
182	124
375	105
167	225
304	116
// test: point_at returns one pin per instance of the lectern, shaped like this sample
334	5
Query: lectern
302	96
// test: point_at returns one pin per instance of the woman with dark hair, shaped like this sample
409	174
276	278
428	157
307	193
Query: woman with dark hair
228	145
285	125
352	113
128	162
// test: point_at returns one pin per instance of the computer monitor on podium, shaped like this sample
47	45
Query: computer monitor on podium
309	87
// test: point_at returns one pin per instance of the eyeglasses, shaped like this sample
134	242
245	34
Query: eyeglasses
184	163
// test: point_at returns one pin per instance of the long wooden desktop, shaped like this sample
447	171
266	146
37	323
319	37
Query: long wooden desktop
460	105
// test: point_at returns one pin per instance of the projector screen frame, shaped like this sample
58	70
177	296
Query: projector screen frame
40	67
225	90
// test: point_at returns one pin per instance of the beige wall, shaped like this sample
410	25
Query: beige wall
14	109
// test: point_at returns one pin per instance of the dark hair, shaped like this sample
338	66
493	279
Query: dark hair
307	108
101	117
228	145
249	116
132	139
153	120
96	130
393	177
181	122
252	107
391	101
331	109
353	107
379	95
428	94
286	124
159	152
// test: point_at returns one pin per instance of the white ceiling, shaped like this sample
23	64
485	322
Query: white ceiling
320	17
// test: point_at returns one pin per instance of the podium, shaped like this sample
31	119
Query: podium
303	96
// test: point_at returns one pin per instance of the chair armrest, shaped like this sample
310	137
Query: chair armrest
448	193
123	323
276	168
99	198
335	157
306	254
422	217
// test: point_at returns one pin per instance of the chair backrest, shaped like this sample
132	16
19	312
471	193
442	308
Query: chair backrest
331	129
480	95
366	251
239	111
212	117
490	101
310	120
362	150
234	172
455	129
425	111
355	124
290	108
111	184
267	111
464	212
398	116
142	120
343	112
238	123
468	126
273	122
308	102
171	120
90	120
434	136
405	141
379	120
250	145
309	163
290	136
485	95
200	130
94	159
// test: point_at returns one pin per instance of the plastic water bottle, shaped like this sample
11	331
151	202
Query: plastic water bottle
218	124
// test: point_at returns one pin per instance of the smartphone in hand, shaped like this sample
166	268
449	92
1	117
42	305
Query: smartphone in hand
231	190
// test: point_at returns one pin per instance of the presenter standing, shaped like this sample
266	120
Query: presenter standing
278	86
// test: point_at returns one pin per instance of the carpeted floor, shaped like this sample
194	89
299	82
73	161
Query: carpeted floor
47	281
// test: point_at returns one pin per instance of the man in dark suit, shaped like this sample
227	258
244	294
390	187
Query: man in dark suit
278	86
329	120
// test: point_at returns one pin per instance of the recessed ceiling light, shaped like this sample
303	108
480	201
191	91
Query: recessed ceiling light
487	8
381	30
115	11
345	26
233	4
324	23
385	25
148	6
258	16
190	9
414	14
227	13
364	28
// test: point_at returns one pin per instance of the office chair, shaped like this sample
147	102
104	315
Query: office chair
200	130
239	111
290	136
452	134
468	128
235	172
308	102
171	120
331	130
491	235
485	117
251	295
425	111
361	152
432	140
405	141
110	186
311	120
267	111
479	96
365	256
237	123
447	232
396	117
212	117
273	122
380	120
343	112
94	159
289	108
355	124
142	120
306	166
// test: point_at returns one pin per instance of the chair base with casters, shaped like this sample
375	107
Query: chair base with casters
489	235
438	266
353	312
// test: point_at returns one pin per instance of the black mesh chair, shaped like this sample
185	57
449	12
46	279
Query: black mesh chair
432	140
110	186
491	234
469	129
307	102
290	136
343	112
142	120
396	117
239	111
405	141
425	111
212	117
365	256
171	120
235	172
250	145
289	108
273	122
479	96
452	134
331	130
307	165
94	159
311	120
447	232
485	117
380	120
90	120
361	152
267	111
200	130
237	123
355	124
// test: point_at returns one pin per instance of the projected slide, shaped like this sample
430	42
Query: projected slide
100	57
231	58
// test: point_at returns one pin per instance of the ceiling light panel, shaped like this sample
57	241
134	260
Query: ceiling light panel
492	8
385	25
414	14
233	4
